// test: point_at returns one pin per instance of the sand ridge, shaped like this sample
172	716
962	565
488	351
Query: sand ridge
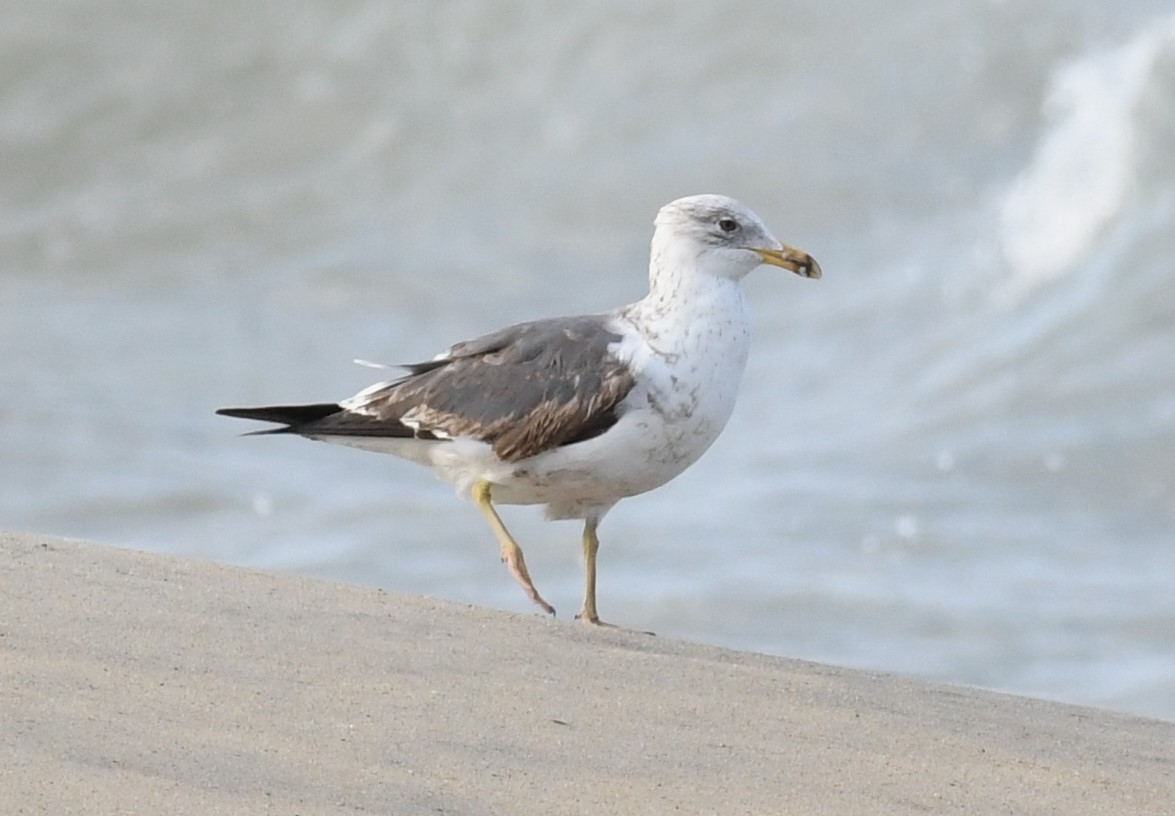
137	683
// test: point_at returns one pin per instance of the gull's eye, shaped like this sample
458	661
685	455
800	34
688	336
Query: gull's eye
727	224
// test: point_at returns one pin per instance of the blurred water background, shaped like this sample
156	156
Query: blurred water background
953	457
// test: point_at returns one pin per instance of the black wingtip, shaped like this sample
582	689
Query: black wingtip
291	415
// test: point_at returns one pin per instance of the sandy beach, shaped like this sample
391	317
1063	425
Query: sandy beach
136	683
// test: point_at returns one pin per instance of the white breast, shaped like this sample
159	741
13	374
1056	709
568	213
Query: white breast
690	365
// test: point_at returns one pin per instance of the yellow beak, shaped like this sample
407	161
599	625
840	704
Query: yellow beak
791	258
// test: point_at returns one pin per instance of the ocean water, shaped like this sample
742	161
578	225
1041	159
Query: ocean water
953	457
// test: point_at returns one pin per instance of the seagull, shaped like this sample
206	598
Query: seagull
576	413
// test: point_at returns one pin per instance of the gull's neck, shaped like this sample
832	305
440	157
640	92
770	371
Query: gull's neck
694	330
679	289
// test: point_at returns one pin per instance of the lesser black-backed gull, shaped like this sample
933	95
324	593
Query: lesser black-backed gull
577	413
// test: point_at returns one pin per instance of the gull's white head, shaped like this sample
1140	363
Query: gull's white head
717	234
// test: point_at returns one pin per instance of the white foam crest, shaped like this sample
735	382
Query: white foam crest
1082	172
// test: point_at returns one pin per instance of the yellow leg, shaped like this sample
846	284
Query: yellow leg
511	552
591	546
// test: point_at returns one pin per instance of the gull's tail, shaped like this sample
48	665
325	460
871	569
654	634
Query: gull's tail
292	416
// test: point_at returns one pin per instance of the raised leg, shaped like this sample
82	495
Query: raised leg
591	546
511	552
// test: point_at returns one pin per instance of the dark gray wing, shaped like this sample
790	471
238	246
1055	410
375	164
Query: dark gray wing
524	389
